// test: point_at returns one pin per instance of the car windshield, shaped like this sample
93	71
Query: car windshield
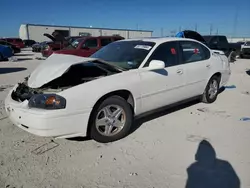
125	54
74	44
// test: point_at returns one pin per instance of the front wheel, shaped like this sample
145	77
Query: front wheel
111	120
212	89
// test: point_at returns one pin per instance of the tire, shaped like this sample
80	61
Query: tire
111	129
241	56
207	97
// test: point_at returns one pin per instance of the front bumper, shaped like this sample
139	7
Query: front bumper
47	123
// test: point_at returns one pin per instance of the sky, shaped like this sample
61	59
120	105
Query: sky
228	17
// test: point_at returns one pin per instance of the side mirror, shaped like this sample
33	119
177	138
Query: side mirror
156	65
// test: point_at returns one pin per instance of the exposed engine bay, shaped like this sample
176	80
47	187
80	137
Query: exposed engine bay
75	75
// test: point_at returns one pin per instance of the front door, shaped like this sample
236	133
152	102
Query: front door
162	87
195	56
88	47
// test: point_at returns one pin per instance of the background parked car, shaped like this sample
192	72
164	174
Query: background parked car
29	43
39	46
5	52
59	42
12	46
219	42
86	46
245	50
214	42
16	41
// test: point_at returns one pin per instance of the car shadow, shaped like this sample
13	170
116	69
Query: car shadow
24	59
79	139
248	72
149	116
6	70
23	54
209	171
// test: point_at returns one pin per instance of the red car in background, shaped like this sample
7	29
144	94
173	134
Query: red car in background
15	41
86	46
58	43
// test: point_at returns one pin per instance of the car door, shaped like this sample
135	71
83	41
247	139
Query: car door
88	47
162	87
196	58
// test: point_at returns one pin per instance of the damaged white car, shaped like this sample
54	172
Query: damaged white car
68	96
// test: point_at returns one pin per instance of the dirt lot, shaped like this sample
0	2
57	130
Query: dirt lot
160	152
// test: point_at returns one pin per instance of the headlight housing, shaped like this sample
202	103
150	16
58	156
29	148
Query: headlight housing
47	101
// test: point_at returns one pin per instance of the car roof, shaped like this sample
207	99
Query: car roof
159	40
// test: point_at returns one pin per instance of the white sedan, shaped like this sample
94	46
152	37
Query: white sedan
69	96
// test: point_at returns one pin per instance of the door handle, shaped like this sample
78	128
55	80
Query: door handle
208	66
179	71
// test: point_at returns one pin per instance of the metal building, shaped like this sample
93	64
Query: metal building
36	31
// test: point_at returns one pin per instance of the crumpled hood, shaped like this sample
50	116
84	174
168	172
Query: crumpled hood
53	67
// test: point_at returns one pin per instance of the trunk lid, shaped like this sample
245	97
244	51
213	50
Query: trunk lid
50	36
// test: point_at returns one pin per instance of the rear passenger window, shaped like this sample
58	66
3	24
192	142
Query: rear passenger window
105	41
193	51
166	52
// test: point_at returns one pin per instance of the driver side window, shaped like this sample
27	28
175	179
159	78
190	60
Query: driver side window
166	52
90	43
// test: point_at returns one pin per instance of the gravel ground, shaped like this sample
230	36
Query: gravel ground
162	151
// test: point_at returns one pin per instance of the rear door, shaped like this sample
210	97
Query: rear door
88	47
196	58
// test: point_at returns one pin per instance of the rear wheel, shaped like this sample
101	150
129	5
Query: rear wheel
111	120
212	89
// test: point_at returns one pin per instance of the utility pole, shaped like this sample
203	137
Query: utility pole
161	32
211	29
196	27
235	22
137	26
217	32
180	29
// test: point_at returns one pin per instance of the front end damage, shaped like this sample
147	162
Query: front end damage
43	112
77	74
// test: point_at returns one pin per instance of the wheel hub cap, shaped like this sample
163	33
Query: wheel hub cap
213	89
110	120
